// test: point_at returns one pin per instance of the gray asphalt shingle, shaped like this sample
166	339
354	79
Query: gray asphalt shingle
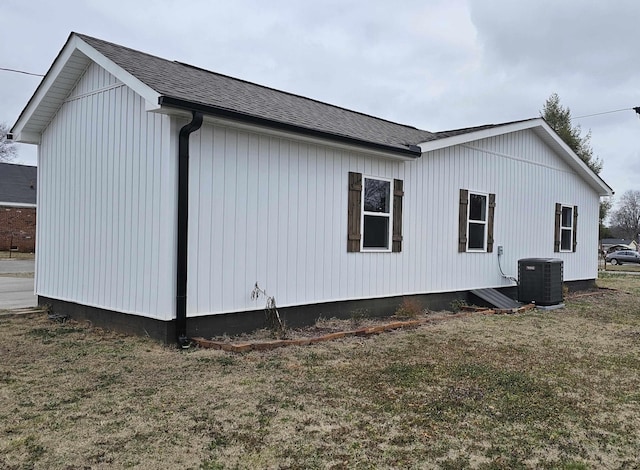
196	85
18	183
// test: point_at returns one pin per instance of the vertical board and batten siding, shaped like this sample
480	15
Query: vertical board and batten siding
535	179
106	202
274	210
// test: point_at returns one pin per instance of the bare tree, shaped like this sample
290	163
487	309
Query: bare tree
7	147
627	217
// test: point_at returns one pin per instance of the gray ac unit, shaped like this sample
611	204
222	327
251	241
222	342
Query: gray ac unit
540	281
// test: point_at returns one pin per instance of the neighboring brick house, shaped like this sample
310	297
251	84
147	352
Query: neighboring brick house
18	207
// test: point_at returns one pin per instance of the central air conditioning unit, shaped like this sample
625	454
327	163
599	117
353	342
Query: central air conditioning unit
540	281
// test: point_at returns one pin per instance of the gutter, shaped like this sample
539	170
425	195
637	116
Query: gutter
183	226
408	151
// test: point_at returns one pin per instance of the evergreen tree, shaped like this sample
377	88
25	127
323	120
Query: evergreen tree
559	118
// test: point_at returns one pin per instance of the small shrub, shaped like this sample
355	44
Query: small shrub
358	315
272	316
457	305
409	308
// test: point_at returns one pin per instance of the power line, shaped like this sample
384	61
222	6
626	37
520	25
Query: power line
636	109
21	71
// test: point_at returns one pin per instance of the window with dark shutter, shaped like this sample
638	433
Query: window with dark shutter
374	217
354	212
492	207
462	221
476	221
575	227
556	237
398	193
565	228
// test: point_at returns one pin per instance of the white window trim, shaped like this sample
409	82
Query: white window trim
376	214
485	222
569	228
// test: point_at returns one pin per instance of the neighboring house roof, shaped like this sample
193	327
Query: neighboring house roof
166	84
18	185
616	241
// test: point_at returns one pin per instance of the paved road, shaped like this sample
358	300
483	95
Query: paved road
16	292
17	266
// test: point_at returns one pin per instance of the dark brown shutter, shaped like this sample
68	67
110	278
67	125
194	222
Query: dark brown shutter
462	221
354	209
492	206
398	193
556	240
575	227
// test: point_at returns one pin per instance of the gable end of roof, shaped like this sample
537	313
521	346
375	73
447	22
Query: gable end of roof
537	125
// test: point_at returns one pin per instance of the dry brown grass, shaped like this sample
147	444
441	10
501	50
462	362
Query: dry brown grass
623	267
24	275
558	389
16	255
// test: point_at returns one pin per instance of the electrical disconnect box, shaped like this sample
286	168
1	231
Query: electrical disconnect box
540	281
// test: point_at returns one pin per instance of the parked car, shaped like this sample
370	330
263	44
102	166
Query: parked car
613	248
623	256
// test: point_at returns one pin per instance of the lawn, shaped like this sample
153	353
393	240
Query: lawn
557	389
623	267
16	255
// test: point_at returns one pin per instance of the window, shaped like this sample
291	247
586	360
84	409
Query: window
374	214
566	228
476	221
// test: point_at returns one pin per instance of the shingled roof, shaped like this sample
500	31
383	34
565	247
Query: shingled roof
18	184
207	89
168	85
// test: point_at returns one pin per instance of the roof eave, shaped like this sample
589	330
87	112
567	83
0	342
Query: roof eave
410	152
36	99
543	130
73	44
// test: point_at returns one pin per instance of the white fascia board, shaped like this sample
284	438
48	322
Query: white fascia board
41	92
326	142
75	43
26	137
477	135
543	130
149	94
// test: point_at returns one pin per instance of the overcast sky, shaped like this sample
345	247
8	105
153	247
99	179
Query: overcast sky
432	64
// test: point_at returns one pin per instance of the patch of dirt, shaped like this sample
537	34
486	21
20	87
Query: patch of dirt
324	326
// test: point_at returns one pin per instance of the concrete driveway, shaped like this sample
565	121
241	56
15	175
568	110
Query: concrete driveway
16	292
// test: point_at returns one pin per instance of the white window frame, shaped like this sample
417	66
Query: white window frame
485	222
388	215
566	228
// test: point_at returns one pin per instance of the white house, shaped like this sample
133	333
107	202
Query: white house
327	209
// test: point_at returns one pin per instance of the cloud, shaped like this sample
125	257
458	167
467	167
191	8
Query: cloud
433	64
589	39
